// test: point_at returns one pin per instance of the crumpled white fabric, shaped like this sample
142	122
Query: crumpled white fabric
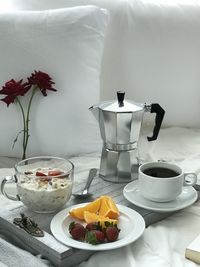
174	144
162	244
11	256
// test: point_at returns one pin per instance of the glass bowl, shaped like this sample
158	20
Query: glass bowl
44	184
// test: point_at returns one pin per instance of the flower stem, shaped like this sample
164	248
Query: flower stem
27	121
24	124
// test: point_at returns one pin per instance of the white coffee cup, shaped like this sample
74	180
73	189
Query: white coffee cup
162	181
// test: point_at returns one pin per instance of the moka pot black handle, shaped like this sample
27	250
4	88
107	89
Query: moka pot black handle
156	108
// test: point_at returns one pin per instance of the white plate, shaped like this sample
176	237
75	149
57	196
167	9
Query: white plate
130	223
186	198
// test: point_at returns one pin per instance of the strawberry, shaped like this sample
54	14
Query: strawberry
77	231
54	173
93	226
40	174
112	233
94	237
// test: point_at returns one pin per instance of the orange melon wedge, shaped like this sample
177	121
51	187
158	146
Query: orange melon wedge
108	208
93	207
92	217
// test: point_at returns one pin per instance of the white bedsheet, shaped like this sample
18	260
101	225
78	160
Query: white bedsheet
162	244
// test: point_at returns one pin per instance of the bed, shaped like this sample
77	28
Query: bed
162	244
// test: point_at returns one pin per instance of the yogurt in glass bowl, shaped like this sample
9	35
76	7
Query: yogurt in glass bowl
44	184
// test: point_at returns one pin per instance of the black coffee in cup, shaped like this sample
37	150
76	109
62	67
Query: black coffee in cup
160	172
162	181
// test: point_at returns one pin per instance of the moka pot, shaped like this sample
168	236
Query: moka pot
120	125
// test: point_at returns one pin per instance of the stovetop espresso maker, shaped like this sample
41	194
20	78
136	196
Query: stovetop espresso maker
120	123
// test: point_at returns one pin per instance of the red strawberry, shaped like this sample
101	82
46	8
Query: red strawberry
112	233
40	174
54	173
77	231
93	226
94	237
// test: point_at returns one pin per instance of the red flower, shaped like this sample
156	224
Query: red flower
12	89
42	80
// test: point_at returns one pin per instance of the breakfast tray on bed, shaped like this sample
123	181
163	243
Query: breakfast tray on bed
59	254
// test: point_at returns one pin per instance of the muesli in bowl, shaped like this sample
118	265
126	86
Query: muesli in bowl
44	184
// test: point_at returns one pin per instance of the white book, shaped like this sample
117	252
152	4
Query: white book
192	251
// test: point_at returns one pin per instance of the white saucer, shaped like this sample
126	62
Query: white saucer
186	198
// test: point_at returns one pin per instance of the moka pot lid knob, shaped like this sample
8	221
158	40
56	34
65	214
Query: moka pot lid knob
121	105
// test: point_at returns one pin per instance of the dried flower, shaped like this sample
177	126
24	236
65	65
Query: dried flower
15	89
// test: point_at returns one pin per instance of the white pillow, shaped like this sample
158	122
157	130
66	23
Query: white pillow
68	45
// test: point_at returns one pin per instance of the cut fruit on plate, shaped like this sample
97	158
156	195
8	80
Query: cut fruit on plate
130	223
92	217
108	208
93	207
103	206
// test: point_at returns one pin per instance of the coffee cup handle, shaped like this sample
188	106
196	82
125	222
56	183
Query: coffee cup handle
190	179
9	179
